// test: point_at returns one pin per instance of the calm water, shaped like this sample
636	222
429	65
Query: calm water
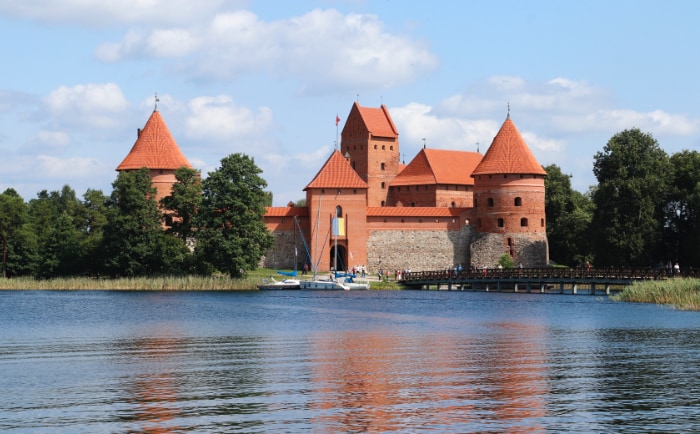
344	362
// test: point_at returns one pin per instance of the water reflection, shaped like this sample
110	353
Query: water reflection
151	384
378	383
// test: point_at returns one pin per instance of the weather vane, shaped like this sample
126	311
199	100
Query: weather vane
157	100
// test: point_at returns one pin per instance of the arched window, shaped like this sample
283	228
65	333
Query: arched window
490	201
383	185
523	222
383	166
518	201
542	222
383	205
338	211
500	223
453	205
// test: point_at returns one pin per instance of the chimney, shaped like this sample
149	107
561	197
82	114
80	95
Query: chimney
138	132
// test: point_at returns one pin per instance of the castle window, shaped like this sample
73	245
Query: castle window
505	176
383	185
375	146
354	191
490	201
523	222
161	171
500	223
323	191
402	221
408	188
391	148
383	205
542	222
353	164
338	211
474	202
383	147
383	166
453	205
413	204
518	201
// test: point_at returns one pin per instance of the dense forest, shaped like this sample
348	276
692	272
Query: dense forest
215	225
643	212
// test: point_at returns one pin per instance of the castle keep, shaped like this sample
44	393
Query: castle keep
364	207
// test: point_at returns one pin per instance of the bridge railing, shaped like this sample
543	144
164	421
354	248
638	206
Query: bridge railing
547	273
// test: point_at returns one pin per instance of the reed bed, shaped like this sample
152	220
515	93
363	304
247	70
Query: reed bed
683	294
164	283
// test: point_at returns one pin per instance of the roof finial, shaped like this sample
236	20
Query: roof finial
423	142
508	117
477	147
157	100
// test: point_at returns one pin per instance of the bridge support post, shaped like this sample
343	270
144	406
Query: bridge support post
607	289
575	289
515	288
561	287
592	288
528	287
542	288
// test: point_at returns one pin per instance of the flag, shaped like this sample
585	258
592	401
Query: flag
338	227
337	119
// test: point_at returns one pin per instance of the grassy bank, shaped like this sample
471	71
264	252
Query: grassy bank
161	283
165	283
683	294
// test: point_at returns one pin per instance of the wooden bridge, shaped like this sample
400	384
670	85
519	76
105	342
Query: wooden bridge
540	280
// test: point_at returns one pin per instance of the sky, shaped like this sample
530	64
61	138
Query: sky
268	78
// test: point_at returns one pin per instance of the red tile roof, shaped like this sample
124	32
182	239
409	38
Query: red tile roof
509	154
336	173
378	121
436	166
155	148
286	211
413	211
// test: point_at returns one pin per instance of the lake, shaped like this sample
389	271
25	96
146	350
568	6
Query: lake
363	361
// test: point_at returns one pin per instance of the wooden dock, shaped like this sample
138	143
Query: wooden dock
603	281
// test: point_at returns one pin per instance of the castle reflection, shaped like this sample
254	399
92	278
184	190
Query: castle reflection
378	382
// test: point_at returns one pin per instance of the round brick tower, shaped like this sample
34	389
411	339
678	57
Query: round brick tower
509	203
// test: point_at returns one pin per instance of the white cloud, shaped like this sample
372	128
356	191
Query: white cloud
218	118
88	105
336	50
50	139
100	13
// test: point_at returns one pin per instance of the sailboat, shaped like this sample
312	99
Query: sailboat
337	280
293	282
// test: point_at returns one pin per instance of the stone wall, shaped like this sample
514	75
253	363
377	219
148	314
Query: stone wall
281	254
528	249
417	250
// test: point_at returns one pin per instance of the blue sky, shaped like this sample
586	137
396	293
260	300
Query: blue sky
267	78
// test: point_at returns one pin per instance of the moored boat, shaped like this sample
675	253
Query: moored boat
273	284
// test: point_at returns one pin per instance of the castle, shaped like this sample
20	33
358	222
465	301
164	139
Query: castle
364	207
444	208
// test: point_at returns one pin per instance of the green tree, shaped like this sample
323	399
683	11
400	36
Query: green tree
182	205
133	243
633	175
232	236
682	210
569	214
58	221
13	217
94	218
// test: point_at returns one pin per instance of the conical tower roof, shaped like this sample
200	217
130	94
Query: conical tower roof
509	154
336	173
155	148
